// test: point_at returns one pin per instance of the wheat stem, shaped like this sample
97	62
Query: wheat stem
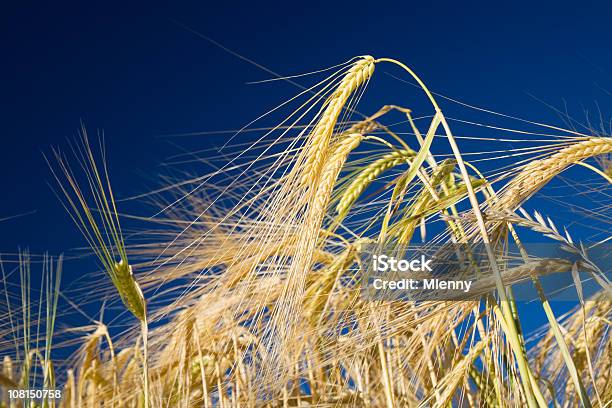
513	334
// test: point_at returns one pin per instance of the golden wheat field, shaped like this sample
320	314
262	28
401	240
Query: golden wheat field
246	288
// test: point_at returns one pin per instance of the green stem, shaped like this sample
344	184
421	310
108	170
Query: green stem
506	314
145	356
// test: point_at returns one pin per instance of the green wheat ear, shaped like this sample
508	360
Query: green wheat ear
129	290
94	211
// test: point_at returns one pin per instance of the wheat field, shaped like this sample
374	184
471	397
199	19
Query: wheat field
245	289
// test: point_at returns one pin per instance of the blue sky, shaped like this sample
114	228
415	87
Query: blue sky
134	72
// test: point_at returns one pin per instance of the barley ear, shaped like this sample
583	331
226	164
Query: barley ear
129	290
316	152
537	173
367	176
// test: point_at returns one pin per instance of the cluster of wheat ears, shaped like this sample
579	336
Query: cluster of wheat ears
248	291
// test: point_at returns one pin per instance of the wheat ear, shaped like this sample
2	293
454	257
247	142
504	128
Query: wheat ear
537	173
129	290
368	175
103	232
315	152
332	168
320	291
424	201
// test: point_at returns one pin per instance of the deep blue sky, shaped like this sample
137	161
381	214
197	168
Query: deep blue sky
131	70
